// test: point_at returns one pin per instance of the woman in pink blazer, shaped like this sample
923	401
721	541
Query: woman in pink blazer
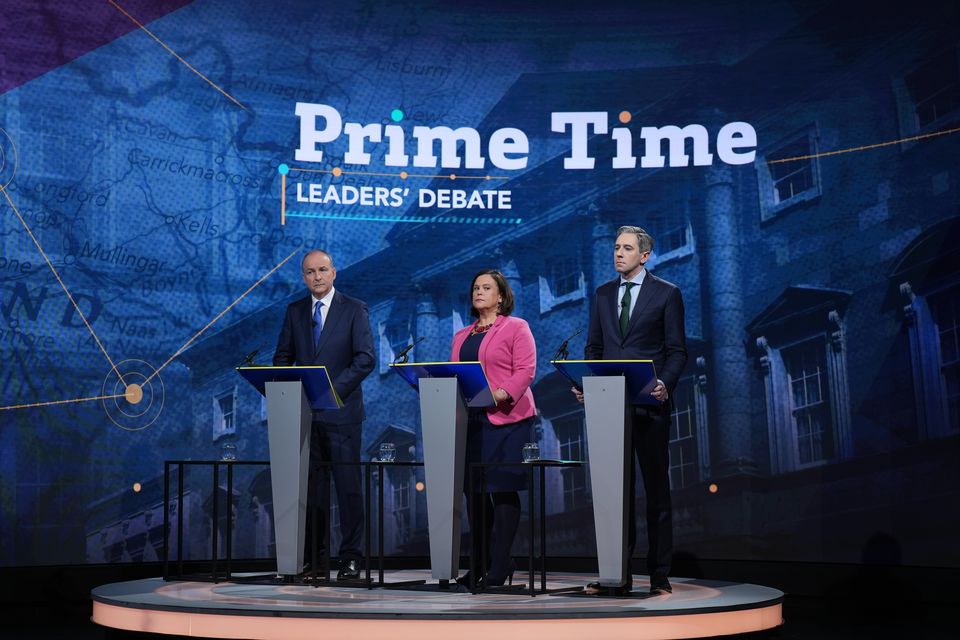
505	347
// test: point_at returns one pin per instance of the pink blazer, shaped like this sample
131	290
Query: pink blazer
509	358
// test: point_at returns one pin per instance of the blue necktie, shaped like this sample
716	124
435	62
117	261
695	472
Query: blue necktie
317	324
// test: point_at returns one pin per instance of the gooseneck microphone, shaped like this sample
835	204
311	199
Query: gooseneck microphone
402	356
562	352
248	359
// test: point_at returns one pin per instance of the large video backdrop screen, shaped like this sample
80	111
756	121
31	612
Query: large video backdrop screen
165	167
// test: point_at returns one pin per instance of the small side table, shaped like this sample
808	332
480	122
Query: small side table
534	465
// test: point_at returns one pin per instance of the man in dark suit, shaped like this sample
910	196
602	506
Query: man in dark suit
330	329
638	316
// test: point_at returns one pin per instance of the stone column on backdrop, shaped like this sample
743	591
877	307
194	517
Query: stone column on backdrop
724	292
604	234
512	275
434	347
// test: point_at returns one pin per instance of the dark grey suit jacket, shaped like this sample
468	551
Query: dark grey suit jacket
346	350
656	330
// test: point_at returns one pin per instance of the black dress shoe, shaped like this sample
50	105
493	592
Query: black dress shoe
659	585
597	589
492	579
305	574
349	570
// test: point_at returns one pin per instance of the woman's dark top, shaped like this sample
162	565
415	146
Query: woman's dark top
487	442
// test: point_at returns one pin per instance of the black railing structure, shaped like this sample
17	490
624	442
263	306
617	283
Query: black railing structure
536	469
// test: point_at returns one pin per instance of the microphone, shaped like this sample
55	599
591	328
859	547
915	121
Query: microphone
562	352
402	356
248	359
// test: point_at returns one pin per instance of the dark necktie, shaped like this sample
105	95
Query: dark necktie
317	324
625	307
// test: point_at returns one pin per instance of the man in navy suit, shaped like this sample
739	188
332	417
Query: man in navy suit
638	316
330	329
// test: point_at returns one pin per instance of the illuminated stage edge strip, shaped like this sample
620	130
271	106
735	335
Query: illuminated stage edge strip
697	609
270	627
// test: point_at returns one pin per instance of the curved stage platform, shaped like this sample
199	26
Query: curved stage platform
695	609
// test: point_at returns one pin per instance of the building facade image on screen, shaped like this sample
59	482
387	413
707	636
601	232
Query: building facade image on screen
819	412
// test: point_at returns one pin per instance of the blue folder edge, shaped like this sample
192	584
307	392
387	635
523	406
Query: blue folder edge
316	382
473	381
640	374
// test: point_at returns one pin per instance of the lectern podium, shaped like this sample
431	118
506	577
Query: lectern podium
609	388
446	390
292	394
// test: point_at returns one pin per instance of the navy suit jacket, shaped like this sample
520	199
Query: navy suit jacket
346	350
656	330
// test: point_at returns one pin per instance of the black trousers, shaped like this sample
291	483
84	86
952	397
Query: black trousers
651	440
336	443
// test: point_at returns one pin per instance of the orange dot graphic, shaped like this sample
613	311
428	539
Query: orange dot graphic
133	393
625	117
453	176
337	171
137	487
713	488
403	175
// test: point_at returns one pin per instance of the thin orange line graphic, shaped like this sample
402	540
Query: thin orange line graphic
175	55
219	315
53	402
867	146
397	175
60	280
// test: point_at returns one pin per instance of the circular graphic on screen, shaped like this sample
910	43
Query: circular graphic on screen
133	395
9	160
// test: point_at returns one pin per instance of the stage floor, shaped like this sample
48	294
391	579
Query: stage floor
695	609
